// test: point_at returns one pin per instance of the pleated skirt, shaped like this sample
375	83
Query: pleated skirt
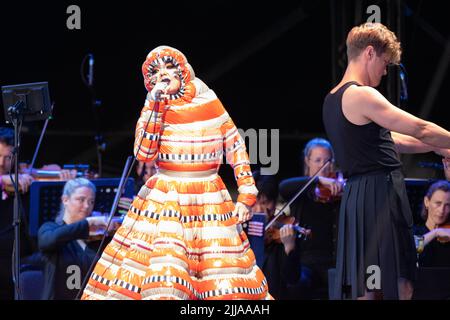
179	240
375	236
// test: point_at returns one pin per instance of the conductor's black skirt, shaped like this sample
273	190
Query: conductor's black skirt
375	229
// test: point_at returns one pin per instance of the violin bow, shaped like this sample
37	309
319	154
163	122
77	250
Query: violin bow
280	212
120	189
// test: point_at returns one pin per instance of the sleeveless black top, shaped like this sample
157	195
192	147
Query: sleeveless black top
358	149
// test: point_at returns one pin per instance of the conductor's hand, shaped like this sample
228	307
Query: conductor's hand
334	185
443	152
242	211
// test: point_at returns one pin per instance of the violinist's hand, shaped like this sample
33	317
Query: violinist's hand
334	185
446	163
67	174
51	167
242	211
442	233
25	181
287	237
97	225
115	224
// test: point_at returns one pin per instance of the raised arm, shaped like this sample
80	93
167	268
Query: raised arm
408	144
148	130
367	104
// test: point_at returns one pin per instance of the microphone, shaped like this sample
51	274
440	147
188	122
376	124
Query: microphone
91	70
158	89
404	90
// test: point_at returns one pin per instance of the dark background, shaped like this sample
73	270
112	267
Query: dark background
270	63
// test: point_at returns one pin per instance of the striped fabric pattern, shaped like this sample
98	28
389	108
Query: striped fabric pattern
179	239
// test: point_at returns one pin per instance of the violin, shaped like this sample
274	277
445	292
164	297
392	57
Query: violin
323	194
272	234
116	221
98	234
52	172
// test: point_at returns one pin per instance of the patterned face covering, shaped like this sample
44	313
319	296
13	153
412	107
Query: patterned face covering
173	62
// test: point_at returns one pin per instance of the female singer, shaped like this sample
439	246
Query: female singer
182	237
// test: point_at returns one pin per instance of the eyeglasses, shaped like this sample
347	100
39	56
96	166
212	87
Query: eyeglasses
319	160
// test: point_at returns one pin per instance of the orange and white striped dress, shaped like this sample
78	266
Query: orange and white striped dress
179	239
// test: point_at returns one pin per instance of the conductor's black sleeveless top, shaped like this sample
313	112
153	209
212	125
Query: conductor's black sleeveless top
359	149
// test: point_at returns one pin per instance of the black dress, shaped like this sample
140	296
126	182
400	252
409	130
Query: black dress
375	220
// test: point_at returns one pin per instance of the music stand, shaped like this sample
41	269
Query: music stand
31	101
21	103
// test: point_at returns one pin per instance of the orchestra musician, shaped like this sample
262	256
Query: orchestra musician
27	246
317	209
433	238
64	244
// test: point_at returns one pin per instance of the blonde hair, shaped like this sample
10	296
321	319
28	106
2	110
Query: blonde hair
69	188
376	35
315	143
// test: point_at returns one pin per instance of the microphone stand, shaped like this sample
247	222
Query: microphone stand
15	113
16	221
95	104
